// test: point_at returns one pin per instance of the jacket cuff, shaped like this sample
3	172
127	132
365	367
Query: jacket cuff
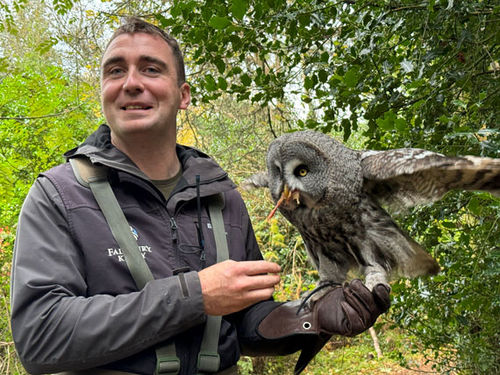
190	285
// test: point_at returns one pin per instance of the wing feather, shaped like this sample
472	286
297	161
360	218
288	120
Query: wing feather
258	180
403	178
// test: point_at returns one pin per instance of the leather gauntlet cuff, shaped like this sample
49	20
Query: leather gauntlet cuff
286	320
300	325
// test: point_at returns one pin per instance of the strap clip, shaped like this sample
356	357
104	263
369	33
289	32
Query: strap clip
167	365
208	362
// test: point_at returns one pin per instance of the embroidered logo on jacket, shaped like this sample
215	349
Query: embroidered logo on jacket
118	253
134	232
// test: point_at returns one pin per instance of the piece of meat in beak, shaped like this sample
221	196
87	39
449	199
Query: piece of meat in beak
286	197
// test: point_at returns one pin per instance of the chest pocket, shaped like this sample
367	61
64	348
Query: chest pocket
196	238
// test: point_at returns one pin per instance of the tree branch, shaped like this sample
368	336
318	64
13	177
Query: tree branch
21	118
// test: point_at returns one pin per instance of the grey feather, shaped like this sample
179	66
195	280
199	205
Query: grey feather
255	181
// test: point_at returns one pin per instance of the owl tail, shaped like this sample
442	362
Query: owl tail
419	262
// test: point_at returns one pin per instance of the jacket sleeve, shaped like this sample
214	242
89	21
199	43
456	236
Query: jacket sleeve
56	326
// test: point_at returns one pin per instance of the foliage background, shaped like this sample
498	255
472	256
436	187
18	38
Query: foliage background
376	73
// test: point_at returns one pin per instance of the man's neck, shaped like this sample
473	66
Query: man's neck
156	158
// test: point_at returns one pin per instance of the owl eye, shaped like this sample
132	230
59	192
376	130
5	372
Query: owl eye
301	171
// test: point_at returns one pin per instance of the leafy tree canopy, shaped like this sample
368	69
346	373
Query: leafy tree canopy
415	72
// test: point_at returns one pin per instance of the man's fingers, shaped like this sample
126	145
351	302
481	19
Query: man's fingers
353	324
352	308
381	293
360	289
259	295
258	267
359	305
358	294
262	281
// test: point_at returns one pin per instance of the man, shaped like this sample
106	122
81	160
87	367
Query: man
75	306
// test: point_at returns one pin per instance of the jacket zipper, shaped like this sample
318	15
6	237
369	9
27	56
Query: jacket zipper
173	227
175	240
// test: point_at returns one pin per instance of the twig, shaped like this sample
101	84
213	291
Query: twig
376	343
20	118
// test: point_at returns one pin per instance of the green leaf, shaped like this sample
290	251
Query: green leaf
239	8
220	64
176	10
444	119
308	83
323	75
245	79
346	126
210	84
387	122
400	124
219	23
475	206
460	103
448	224
325	57
351	78
222	83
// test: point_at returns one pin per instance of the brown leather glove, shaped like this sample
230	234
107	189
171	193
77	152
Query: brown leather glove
345	310
359	308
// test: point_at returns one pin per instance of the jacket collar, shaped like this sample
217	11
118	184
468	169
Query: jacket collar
213	179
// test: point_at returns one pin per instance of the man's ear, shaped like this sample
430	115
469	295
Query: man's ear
185	96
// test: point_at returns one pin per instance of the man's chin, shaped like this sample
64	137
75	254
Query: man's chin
132	125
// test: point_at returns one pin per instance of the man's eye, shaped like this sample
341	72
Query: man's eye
151	70
115	71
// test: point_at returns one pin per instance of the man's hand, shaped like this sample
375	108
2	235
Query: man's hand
230	286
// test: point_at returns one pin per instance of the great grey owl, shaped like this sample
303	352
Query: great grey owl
334	196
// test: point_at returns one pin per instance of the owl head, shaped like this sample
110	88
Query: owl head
310	169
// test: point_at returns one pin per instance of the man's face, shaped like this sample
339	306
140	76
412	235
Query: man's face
139	87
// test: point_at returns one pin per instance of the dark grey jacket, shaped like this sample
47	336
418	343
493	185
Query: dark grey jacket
74	302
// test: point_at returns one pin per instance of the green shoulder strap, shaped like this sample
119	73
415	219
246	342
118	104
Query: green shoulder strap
96	178
208	358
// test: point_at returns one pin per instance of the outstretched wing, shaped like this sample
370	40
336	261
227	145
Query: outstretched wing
402	178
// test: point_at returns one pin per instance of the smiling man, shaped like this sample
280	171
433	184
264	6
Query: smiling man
75	305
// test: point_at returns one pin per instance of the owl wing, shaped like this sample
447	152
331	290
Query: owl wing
256	180
403	178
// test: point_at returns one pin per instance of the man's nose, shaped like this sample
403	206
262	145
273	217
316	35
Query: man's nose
133	82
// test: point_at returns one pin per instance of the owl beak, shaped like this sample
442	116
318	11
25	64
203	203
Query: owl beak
286	197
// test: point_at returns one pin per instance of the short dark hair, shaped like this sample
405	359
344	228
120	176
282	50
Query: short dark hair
132	25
